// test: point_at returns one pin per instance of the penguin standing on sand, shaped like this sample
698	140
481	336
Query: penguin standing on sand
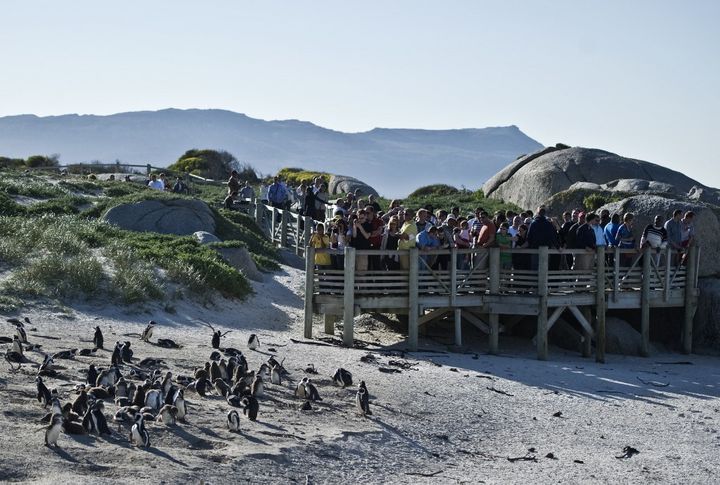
300	390
167	415
253	342
138	434
92	375
126	352
275	376
116	357
342	377
17	346
147	333
21	334
179	403
251	406
98	339
52	432
95	421
362	400
216	336
257	387
311	391
233	421
44	397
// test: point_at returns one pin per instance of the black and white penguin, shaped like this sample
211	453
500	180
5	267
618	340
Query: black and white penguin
300	390
154	399
72	427
221	387
80	404
253	342
121	388
108	377
52	432
167	415
147	333
21	334
362	400
275	376
240	388
257	387
43	393
17	345
139	395
215	341
311	391
46	365
138	434
214	371
223	367
126	352
342	377
98	340
179	403
116	357
86	352
233	421
55	407
251	406
264	371
94	420
102	392
65	354
235	400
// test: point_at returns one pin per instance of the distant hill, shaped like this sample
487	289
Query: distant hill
394	161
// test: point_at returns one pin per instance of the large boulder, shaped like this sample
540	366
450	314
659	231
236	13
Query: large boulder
342	184
621	338
204	237
533	179
166	216
240	259
706	331
707	225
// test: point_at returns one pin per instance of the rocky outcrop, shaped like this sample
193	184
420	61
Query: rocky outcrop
166	216
533	179
707	225
342	184
205	237
621	338
706	326
240	259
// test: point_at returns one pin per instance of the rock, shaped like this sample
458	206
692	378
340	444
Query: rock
706	326
639	185
707	225
704	194
565	336
205	237
240	259
621	338
166	216
533	179
342	184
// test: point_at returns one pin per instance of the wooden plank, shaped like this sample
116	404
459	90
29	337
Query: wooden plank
587	336
477	321
600	306
554	317
494	319
542	345
437	313
616	274
413	300
349	297
645	304
329	324
690	298
453	276
309	280
458	327
585	324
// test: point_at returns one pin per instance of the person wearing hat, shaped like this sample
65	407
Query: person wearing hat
233	183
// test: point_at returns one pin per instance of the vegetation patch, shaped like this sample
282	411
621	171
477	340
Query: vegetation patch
296	176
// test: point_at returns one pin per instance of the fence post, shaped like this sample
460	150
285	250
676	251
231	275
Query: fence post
309	280
149	169
494	318
453	276
307	230
645	303
349	297
273	224
117	166
542	331
283	228
690	298
600	307
258	213
413	299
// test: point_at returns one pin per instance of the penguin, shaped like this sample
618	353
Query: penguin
215	341
300	390
43	393
253	342
183	380
98	339
362	399
102	392
67	412
167	343
116	357
257	387
21	334
235	400
99	419
46	364
71	427
126	352
221	387
342	377
264	371
202	386
92	375
121	388
138	434
222	366
275	377
65	354
52	432
230	367
233	421
167	415
203	372
86	352
80	405
250	407
249	377
55	407
214	371
139	396
311	391
179	403
154	399
107	377
147	333
166	383
240	388
215	355
17	346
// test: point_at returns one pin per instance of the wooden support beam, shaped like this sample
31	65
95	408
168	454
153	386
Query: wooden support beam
690	298
494	318
307	230
616	273
600	306
309	279
329	324
584	323
258	213
542	329
413	299
587	336
477	321
453	276
645	304
668	272
283	228
554	317
349	297
458	327
434	314
273	224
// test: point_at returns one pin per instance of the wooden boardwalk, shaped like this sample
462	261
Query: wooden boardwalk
481	295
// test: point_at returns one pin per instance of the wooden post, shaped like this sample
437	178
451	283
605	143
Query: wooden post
259	207
117	166
413	300
283	228
453	276
690	298
307	229
587	338
600	307
494	318
645	304
616	274
458	327
329	324
542	345
273	224
349	297
668	272
149	168
309	279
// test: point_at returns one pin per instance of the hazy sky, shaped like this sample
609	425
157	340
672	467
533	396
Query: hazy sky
640	78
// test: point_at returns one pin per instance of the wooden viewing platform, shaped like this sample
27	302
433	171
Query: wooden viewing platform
481	295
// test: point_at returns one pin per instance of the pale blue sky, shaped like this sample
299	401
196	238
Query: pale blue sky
641	78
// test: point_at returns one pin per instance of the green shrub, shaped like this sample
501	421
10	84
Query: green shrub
133	280
436	189
296	176
55	275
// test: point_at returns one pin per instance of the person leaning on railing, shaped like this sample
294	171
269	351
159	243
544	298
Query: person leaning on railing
320	240
586	240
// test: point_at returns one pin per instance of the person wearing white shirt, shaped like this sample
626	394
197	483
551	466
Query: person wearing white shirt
156	184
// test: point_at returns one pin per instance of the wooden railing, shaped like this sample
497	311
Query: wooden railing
286	229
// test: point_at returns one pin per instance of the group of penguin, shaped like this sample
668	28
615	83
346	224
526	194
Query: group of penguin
159	397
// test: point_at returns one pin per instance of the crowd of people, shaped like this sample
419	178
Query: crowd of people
162	183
